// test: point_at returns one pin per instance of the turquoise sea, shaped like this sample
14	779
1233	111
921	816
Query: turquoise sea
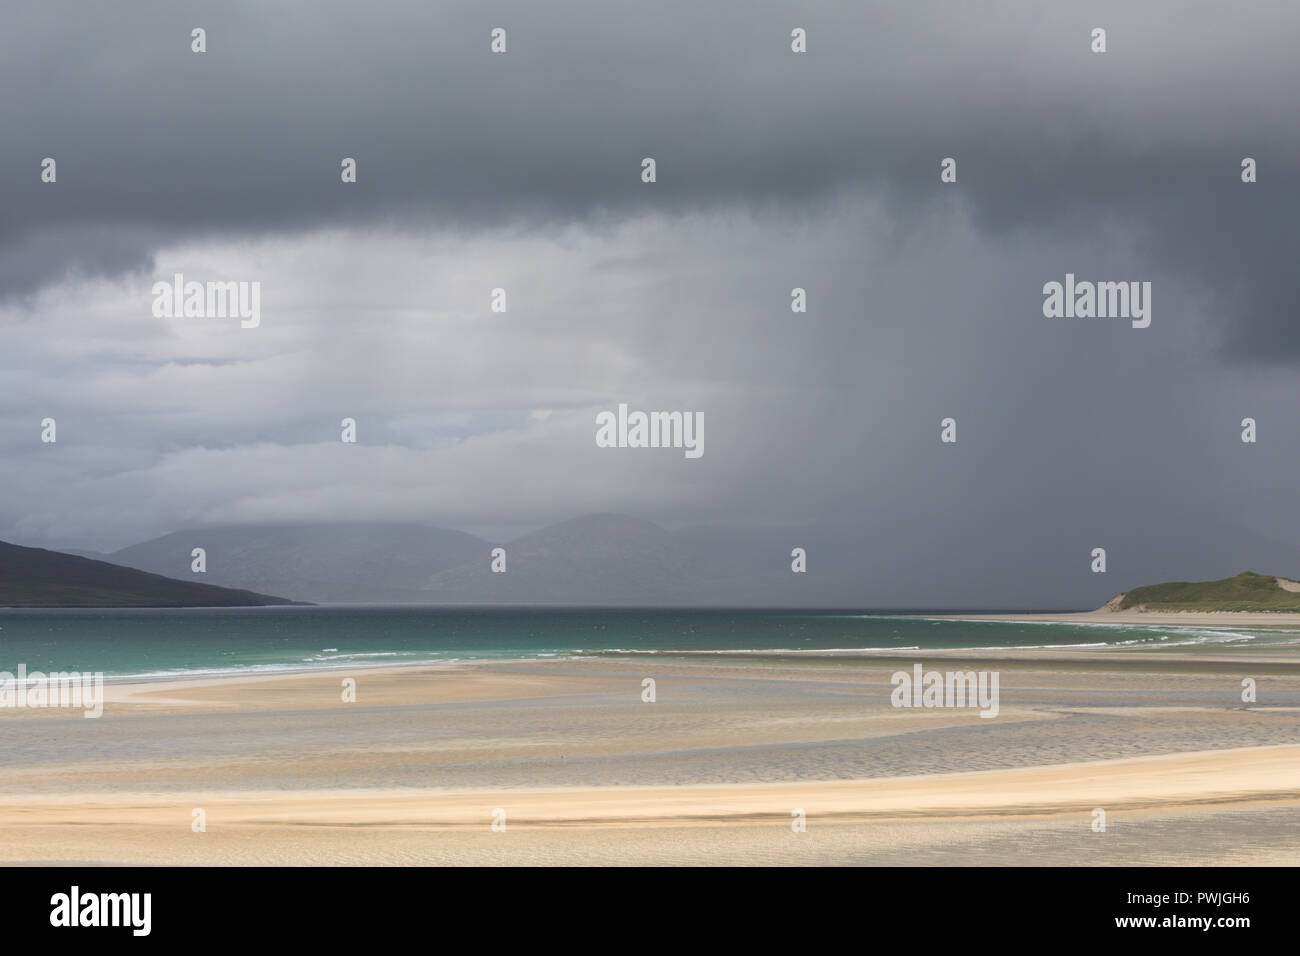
195	642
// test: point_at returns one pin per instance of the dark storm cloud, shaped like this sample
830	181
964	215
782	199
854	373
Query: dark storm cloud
775	170
156	143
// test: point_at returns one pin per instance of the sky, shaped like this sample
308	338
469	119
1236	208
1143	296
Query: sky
774	170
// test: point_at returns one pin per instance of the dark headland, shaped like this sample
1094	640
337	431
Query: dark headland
34	577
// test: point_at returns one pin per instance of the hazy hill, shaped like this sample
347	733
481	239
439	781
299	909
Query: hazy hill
1247	591
595	559
601	559
350	562
614	559
34	577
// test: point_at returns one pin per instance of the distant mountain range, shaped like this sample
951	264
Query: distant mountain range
1247	591
598	559
34	577
606	559
334	563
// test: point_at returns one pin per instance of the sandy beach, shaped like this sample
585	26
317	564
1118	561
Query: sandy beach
1154	618
715	770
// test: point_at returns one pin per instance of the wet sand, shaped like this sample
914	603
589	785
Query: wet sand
713	771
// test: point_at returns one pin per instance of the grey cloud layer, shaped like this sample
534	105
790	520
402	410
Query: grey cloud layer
775	170
1048	136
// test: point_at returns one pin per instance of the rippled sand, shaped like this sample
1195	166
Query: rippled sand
711	772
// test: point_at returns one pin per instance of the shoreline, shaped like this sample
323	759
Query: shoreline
1197	622
1271	625
1063	653
1083	654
